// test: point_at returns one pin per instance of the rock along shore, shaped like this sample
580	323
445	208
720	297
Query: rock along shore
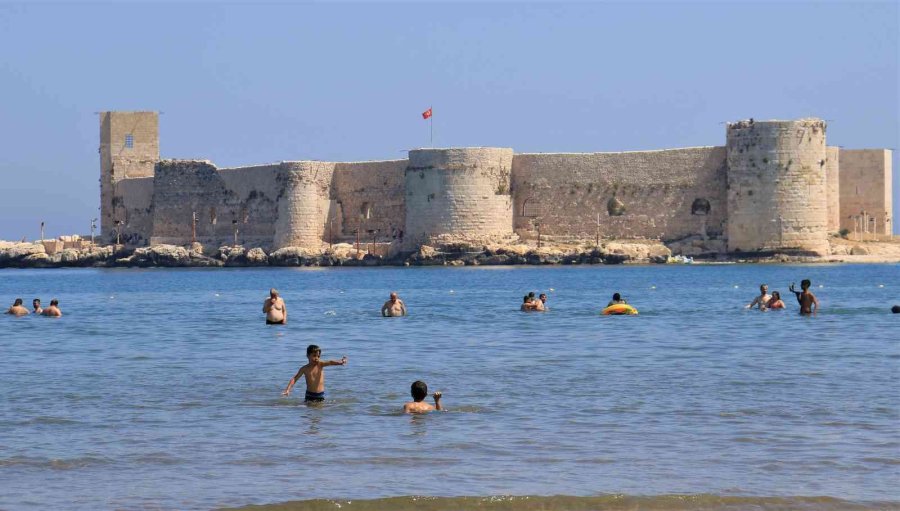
34	255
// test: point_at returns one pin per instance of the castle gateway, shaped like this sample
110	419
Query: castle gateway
773	186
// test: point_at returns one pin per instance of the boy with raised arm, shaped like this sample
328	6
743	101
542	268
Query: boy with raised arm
419	391
809	304
314	373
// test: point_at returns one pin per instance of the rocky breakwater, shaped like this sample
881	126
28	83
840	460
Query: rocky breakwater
35	255
168	256
607	253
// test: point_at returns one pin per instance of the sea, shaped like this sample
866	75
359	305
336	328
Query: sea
161	389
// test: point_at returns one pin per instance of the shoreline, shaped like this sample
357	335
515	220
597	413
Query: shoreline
667	502
611	252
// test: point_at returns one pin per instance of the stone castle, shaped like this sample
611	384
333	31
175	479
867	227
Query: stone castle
774	186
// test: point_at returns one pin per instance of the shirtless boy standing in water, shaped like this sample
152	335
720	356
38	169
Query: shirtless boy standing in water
276	312
314	373
809	304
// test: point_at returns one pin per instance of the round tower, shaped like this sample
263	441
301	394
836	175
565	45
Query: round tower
458	195
776	186
302	203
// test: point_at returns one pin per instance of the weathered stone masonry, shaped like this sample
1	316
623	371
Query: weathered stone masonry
774	186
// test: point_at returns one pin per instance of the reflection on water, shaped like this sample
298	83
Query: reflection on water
169	396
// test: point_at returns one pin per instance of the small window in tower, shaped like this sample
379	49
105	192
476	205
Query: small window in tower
129	141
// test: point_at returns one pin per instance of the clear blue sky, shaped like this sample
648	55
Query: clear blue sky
241	84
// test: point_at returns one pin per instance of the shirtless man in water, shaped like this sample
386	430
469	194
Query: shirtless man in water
53	310
809	304
276	312
17	309
393	307
762	300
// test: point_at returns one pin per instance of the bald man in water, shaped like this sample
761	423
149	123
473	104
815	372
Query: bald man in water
393	307
275	309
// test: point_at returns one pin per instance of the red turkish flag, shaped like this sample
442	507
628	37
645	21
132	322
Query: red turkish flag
426	114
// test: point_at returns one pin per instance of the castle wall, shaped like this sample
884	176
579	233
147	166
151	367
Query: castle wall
776	186
833	188
304	205
136	211
252	202
458	194
865	185
181	188
662	192
373	186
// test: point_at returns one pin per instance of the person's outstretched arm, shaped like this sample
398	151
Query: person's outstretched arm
437	401
341	362
287	391
754	302
267	305
403	307
384	308
815	303
284	311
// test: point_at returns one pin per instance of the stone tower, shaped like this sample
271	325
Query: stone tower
458	194
303	204
777	186
129	148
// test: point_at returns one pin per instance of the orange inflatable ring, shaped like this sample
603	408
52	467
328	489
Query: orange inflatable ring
619	309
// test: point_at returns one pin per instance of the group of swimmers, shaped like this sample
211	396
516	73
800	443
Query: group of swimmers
809	304
532	304
18	309
314	373
314	370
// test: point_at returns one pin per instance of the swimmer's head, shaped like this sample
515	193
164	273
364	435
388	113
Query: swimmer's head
36	302
419	390
617	296
895	309
776	295
273	293
531	295
54	302
313	352
805	283
525	299
543	297
763	288
394	296
17	302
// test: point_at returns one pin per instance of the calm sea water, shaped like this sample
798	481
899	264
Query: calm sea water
160	389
